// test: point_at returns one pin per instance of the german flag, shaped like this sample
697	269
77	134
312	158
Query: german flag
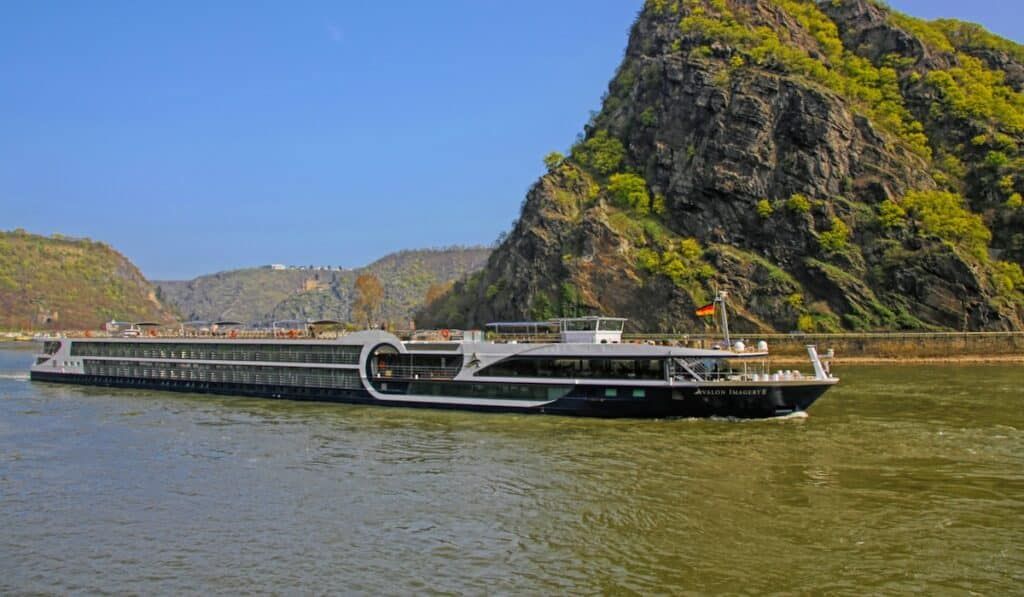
706	311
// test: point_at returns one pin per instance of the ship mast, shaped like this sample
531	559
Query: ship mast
720	299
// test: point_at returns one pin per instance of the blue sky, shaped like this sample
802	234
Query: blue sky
201	136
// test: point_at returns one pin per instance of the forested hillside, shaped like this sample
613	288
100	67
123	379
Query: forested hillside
52	283
264	294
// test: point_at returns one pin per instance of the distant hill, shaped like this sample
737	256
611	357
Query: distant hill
63	283
265	294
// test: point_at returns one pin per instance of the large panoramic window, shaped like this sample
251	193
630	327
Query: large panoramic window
604	368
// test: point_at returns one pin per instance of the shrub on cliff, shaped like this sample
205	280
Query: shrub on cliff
943	214
601	153
798	203
836	239
630	191
553	160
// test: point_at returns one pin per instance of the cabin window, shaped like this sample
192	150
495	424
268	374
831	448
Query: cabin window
601	368
580	325
610	325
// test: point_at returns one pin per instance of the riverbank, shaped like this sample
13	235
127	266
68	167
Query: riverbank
947	360
927	347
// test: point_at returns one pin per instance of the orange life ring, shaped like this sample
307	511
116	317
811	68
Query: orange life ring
292	333
233	334
445	333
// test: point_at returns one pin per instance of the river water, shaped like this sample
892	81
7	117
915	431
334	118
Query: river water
906	478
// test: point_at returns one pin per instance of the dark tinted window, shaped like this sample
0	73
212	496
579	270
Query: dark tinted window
576	368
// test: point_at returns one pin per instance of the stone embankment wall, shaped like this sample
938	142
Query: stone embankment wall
939	345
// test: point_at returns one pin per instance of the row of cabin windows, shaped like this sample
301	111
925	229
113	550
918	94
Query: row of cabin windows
242	374
493	391
286	353
604	368
503	391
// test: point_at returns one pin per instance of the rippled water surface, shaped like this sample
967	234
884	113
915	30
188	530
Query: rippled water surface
901	479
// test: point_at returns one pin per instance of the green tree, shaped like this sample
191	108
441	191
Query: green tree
601	153
368	300
798	203
891	215
836	239
553	160
630	191
943	214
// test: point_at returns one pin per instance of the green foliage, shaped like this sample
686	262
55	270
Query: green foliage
658	204
875	89
569	300
682	262
1006	184
75	284
541	308
926	32
261	294
648	117
996	159
1015	201
764	208
630	191
950	164
836	239
971	90
944	215
968	36
798	203
1007	277
601	153
553	160
891	215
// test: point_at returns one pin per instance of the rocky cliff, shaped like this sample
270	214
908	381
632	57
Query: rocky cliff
59	283
832	165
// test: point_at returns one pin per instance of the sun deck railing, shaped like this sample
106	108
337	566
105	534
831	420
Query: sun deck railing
416	372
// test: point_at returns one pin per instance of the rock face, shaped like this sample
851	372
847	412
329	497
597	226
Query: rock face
834	166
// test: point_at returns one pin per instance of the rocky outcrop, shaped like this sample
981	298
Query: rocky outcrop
782	137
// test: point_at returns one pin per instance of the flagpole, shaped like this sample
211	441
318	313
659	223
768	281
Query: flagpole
725	318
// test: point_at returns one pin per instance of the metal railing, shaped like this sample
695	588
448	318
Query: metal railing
416	372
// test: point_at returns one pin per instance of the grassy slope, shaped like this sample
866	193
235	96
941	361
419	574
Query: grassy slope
75	283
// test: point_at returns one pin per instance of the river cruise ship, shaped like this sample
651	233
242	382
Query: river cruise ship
590	372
